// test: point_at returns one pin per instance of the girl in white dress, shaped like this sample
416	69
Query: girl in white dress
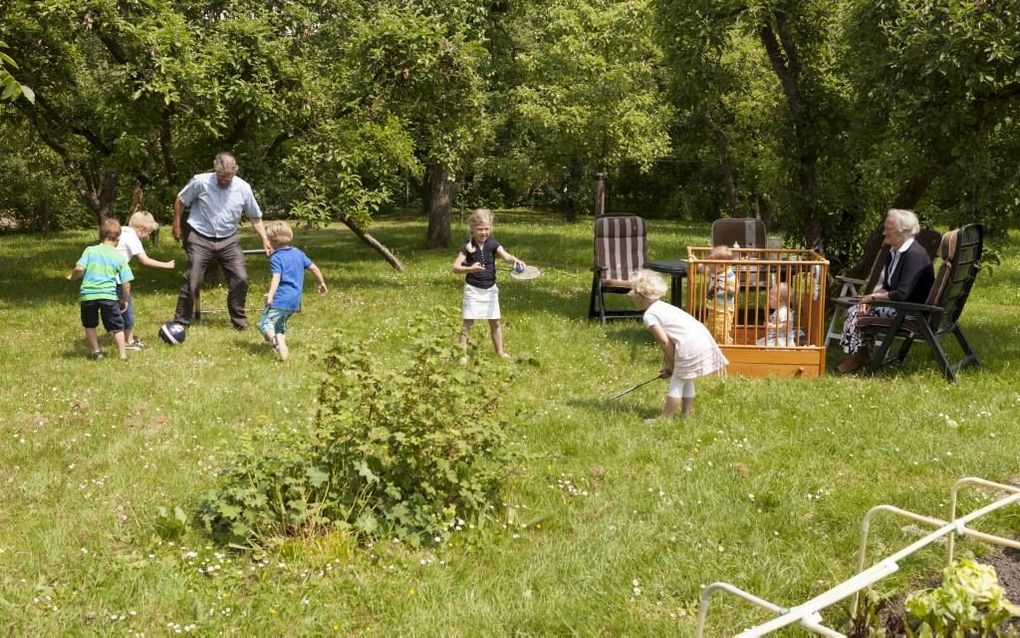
687	344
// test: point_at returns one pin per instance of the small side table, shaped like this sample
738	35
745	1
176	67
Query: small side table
677	271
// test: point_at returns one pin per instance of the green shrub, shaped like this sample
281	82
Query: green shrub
412	454
970	602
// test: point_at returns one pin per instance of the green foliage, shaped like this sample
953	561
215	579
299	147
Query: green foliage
10	88
868	620
411	454
170	525
599	500
970	602
936	88
585	95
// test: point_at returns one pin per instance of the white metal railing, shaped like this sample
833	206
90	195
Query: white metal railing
808	615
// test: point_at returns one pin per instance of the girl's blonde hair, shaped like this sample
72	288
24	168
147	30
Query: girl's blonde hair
142	220
279	233
479	217
647	283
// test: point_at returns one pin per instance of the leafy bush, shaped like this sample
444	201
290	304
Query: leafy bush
411	454
970	602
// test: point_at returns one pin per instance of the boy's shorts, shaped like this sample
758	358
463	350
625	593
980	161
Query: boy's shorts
275	317
109	310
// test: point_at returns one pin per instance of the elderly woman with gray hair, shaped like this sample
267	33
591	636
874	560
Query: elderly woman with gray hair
906	275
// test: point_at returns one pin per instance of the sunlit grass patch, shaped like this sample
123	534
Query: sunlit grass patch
611	526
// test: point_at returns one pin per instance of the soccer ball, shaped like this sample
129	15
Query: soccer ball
172	333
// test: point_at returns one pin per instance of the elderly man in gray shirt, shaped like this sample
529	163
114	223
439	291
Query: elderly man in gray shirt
216	202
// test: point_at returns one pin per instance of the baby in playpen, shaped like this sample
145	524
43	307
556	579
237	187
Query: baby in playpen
781	330
722	295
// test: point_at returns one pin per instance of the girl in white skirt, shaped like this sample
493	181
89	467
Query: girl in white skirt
477	260
687	344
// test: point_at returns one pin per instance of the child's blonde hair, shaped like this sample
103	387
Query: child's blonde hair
720	252
479	217
647	283
279	233
142	220
109	230
782	291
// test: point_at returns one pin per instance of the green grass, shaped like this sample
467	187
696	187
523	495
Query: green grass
612	527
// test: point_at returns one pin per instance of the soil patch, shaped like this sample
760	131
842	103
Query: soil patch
1007	565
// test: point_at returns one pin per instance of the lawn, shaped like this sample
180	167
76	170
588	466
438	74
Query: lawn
612	525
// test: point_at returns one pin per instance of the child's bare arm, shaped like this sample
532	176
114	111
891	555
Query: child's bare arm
145	260
274	283
318	277
76	273
505	256
125	294
460	269
665	343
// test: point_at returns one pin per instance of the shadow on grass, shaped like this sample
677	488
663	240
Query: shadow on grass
629	406
996	346
254	347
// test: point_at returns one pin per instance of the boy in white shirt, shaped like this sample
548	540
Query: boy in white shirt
140	226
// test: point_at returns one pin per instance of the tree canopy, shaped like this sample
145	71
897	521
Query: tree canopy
815	115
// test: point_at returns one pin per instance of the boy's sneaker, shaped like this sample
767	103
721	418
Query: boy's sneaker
135	345
98	354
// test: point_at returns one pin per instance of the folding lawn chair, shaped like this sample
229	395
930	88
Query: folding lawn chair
863	276
961	253
620	250
749	232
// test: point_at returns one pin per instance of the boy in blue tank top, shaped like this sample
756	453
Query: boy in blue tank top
287	265
104	272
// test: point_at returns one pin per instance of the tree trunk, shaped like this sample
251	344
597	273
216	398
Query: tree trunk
43	213
785	62
722	144
572	188
98	194
137	198
440	207
375	244
166	146
914	189
600	194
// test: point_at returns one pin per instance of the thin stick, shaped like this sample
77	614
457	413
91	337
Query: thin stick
629	390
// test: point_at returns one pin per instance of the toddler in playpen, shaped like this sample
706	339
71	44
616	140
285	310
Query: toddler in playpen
781	330
722	295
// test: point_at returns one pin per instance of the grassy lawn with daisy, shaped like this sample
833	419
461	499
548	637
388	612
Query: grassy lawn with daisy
610	525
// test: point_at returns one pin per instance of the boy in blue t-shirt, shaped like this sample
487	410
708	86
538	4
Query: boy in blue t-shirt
287	266
102	268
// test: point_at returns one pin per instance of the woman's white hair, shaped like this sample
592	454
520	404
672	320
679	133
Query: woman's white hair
648	284
906	221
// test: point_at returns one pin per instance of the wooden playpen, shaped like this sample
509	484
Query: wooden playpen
740	318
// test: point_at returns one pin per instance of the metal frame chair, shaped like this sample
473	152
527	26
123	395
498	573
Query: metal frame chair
621	248
749	232
863	276
961	253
